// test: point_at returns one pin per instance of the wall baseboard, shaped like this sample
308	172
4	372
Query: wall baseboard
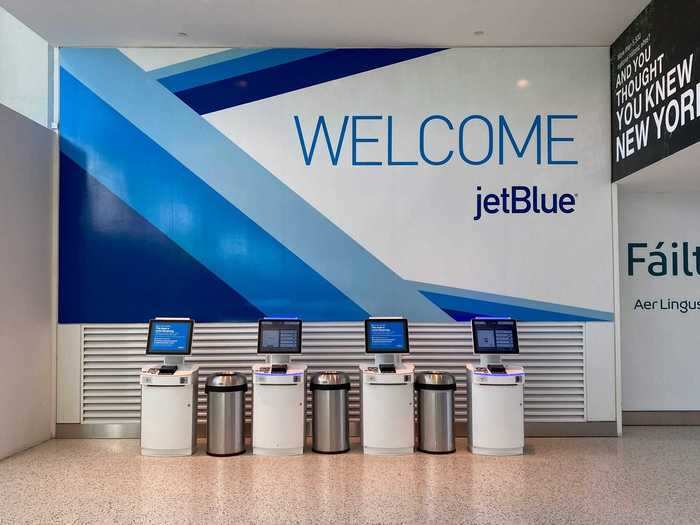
532	429
661	418
98	431
575	429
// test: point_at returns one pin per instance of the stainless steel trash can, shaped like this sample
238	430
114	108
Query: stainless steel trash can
225	413
330	425
436	414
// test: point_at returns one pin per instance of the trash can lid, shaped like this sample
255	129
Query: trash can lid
435	380
226	382
330	380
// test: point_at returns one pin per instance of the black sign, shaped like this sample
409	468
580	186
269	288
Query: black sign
655	84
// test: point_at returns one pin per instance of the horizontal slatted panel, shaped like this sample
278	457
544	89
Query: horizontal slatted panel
552	354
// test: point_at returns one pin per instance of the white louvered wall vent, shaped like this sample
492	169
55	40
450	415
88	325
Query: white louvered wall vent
552	354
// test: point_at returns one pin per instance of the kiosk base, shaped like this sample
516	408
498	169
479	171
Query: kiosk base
497	451
171	453
375	451
278	451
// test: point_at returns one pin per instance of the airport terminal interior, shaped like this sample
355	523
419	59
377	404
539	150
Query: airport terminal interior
349	263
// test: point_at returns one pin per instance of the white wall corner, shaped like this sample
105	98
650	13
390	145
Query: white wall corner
600	372
68	373
617	305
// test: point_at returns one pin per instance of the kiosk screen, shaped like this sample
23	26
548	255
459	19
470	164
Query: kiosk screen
386	336
279	336
170	336
495	336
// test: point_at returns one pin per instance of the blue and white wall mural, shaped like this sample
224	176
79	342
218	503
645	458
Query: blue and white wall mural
334	184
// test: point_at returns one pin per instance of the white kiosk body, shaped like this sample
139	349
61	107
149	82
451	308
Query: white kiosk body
279	390
387	397
169	412
495	391
169	392
495	411
278	411
387	410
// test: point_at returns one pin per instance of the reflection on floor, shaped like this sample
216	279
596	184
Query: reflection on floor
651	475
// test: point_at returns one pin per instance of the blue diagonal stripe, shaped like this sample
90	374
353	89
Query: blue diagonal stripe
465	304
247	185
299	74
235	67
199	220
203	61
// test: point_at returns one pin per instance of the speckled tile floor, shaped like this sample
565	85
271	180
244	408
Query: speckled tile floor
651	475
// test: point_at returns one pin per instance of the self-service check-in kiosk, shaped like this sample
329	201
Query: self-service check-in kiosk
387	389
495	390
169	392
279	390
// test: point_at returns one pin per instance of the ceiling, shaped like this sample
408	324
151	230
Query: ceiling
326	23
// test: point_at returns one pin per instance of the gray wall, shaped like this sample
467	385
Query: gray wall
27	151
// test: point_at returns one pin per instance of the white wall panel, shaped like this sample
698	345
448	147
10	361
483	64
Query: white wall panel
24	69
659	346
600	372
68	366
26	396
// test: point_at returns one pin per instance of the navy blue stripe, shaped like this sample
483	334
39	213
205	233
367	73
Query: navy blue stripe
129	272
461	316
464	308
299	74
236	67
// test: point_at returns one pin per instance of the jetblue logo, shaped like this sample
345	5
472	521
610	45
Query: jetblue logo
522	199
475	140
